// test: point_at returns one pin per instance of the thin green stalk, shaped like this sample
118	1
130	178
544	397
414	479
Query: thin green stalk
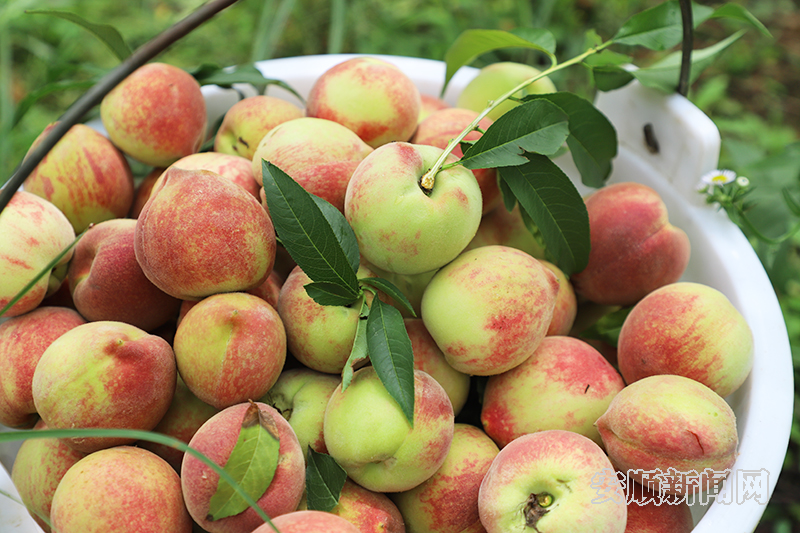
262	32
265	48
336	31
6	99
428	179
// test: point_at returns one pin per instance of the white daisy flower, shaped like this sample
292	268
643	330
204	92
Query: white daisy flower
718	178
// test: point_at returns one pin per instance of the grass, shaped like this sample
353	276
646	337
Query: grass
752	92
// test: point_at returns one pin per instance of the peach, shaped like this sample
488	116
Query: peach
38	468
566	308
216	439
564	384
369	511
184	417
369	96
506	228
448	501
670	423
143	190
441	126
84	175
649	512
429	358
107	282
201	234
319	154
248	120
689	329
32	233
309	522
156	115
634	248
23	340
397	456
120	489
236	168
104	375
489	309
429	104
230	348
301	395
545	481
401	227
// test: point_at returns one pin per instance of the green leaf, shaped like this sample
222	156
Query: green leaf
210	74
343	231
391	354
306	234
740	13
472	43
107	34
324	481
659	27
391	290
592	138
551	200
607	328
610	77
537	126
664	74
509	200
28	102
252	464
360	351
328	293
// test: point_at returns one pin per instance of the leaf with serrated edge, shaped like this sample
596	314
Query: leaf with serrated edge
328	293
252	463
740	13
360	351
324	481
391	354
390	290
306	233
343	231
106	33
592	138
659	27
209	74
555	206
472	43
537	126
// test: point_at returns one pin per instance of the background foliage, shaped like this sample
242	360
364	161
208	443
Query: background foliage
752	92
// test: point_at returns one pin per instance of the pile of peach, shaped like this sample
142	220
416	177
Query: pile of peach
178	306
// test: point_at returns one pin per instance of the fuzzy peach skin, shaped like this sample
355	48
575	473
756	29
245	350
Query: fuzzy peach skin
429	358
104	375
396	456
369	96
156	115
669	422
120	489
216	439
649	512
301	396
564	384
429	104
32	233
489	309
634	248
441	126
369	511
507	228
230	348
201	234
319	154
689	329
236	168
248	120
306	521
566	308
23	340
319	336
545	481
38	468
107	282
448	501
84	175
184	417
143	190
400	227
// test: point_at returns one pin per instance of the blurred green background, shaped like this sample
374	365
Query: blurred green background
752	92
